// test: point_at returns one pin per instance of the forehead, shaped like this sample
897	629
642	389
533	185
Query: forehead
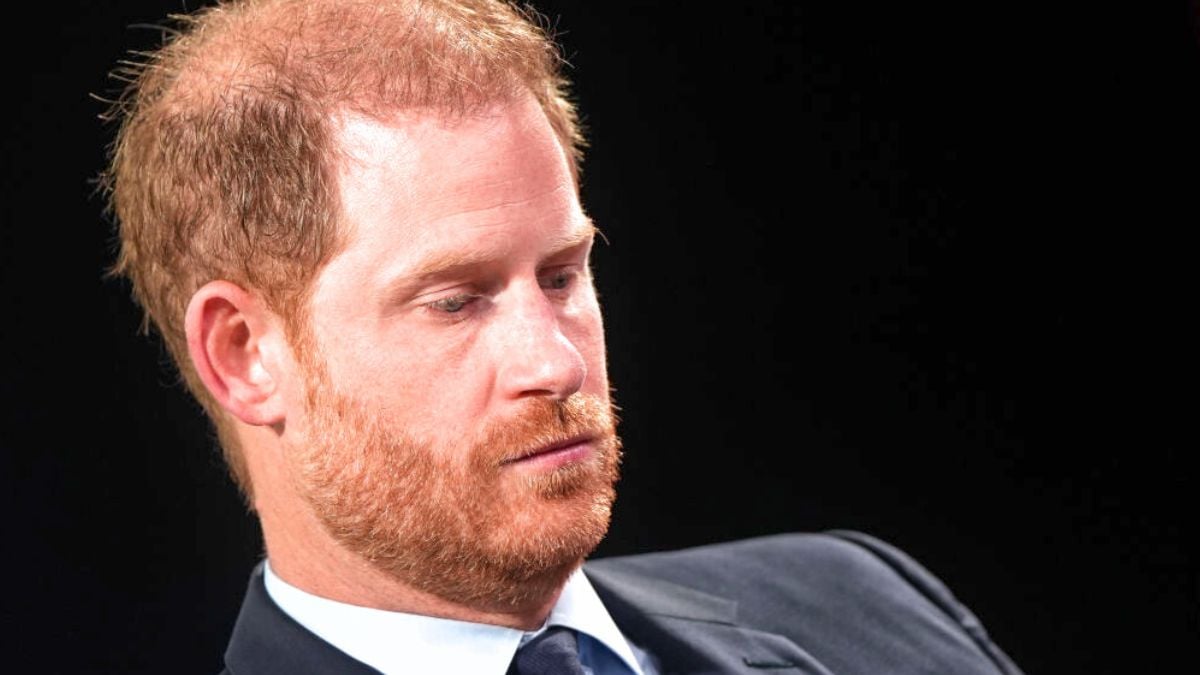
414	185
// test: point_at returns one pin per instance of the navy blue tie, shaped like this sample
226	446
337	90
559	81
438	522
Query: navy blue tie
554	652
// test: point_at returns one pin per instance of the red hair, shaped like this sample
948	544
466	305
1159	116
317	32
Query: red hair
224	166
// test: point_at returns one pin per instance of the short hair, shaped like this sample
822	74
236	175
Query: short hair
223	165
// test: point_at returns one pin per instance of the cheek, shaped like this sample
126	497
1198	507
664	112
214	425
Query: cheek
376	371
423	380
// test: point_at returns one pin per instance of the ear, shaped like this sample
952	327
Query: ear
231	338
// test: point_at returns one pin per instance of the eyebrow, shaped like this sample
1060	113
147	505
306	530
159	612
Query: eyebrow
451	263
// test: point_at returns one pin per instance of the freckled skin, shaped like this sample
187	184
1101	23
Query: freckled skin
424	377
502	186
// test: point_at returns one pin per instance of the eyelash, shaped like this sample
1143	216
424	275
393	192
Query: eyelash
454	305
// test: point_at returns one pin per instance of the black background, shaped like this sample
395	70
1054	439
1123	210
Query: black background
912	268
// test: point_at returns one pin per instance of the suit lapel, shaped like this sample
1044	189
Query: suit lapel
694	632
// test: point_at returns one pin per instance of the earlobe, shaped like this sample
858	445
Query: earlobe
228	330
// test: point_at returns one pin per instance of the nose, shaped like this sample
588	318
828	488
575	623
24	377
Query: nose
536	357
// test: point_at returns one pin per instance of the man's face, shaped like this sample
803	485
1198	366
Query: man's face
458	432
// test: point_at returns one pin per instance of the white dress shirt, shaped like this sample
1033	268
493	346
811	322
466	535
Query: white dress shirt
396	642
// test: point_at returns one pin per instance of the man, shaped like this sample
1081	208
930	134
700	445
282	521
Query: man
357	227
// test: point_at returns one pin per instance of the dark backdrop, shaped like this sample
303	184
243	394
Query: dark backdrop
912	268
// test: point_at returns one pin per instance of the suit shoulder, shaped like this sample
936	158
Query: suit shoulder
845	583
836	565
811	554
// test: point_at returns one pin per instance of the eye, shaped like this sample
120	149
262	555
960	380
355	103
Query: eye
452	304
558	279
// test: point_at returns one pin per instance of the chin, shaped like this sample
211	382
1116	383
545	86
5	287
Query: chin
525	557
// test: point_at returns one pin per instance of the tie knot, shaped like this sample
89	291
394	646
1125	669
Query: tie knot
554	652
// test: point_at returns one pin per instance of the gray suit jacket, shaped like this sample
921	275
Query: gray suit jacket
837	603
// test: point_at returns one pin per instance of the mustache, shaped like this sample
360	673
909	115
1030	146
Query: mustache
545	424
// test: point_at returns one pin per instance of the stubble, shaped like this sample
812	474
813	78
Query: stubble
460	522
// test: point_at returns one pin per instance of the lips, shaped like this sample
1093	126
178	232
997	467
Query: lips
572	445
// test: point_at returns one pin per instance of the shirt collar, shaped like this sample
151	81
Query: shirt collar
580	609
394	642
